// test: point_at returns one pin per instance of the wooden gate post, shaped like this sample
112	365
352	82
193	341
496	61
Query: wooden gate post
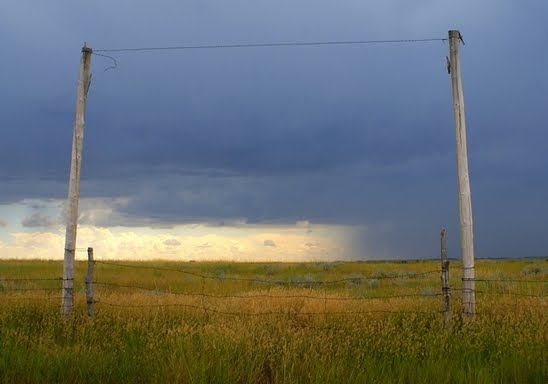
445	288
89	284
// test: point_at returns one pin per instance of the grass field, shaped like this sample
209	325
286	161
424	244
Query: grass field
274	323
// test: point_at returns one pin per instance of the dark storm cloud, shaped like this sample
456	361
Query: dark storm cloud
350	135
37	219
287	109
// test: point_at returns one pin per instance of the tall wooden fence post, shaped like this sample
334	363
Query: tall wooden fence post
465	198
445	288
74	182
89	284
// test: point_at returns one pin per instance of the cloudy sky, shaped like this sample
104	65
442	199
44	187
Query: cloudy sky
285	153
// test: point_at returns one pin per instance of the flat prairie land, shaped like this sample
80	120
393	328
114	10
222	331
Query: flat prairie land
221	322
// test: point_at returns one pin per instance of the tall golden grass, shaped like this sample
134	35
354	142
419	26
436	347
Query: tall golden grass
381	323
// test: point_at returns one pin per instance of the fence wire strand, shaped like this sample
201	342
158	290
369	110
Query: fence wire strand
266	296
27	289
505	280
538	296
30	279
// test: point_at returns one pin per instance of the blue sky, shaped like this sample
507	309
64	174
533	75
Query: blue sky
331	152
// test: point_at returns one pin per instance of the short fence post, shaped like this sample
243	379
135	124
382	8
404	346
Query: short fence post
445	288
89	284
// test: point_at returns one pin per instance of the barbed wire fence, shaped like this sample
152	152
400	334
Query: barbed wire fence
25	289
289	289
294	295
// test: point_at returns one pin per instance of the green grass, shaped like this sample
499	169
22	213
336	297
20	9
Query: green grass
506	342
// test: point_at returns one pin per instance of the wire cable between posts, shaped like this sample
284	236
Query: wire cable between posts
201	294
31	279
267	296
505	280
270	44
539	296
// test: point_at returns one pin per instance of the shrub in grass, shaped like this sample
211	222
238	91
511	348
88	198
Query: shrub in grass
534	269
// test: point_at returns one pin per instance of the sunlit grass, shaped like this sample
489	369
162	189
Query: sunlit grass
278	332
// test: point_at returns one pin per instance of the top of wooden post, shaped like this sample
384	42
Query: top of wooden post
455	34
86	49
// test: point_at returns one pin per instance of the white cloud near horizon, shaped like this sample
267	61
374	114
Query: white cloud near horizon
184	243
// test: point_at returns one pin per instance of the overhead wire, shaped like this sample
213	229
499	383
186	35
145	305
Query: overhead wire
271	44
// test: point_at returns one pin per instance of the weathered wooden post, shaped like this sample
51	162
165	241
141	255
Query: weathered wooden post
465	199
89	284
445	288
74	182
